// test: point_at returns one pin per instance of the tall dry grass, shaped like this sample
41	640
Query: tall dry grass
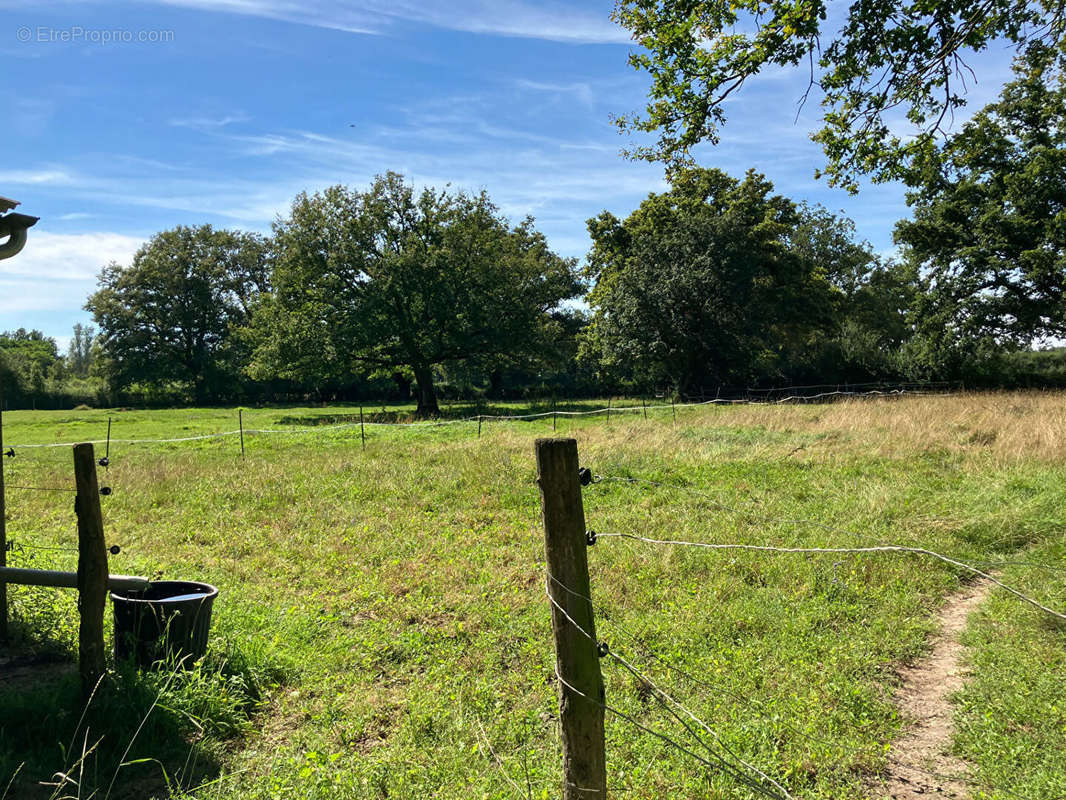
1009	426
1005	427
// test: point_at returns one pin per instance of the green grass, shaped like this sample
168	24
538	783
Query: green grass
382	629
1011	718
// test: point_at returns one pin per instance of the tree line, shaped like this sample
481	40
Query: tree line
404	292
33	370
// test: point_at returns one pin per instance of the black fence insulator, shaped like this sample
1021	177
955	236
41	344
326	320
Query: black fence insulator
602	649
114	549
105	490
584	475
590	537
10	452
104	462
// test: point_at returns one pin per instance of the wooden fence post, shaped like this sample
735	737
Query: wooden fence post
362	430
644	405
577	659
609	410
240	422
92	570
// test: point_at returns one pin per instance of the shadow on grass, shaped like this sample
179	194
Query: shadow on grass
463	410
143	734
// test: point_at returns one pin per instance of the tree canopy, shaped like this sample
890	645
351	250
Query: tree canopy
391	278
886	61
871	303
80	351
703	285
31	347
989	225
170	315
27	359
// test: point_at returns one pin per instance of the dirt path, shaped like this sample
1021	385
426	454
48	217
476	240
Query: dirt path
923	702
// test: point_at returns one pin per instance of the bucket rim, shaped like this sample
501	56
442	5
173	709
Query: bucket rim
210	594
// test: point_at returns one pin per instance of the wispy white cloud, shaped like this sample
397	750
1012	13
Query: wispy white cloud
48	176
209	123
57	272
348	17
581	90
562	22
525	174
26	299
559	180
51	256
555	21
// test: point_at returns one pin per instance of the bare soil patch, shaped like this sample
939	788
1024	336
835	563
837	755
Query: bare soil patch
920	765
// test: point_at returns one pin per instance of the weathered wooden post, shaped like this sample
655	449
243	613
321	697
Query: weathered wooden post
577	659
92	570
644	405
609	410
362	430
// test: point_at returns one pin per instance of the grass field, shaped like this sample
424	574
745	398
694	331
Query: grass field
382	629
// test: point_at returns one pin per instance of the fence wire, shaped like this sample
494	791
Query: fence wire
714	759
791	399
751	518
884	548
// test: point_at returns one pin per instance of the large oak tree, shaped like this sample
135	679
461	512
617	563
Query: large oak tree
170	316
989	225
704	285
393	278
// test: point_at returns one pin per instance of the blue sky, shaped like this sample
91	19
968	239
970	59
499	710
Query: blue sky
231	107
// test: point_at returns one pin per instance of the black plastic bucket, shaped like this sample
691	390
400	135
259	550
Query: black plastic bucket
166	623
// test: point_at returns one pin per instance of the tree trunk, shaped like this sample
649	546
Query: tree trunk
403	386
427	395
